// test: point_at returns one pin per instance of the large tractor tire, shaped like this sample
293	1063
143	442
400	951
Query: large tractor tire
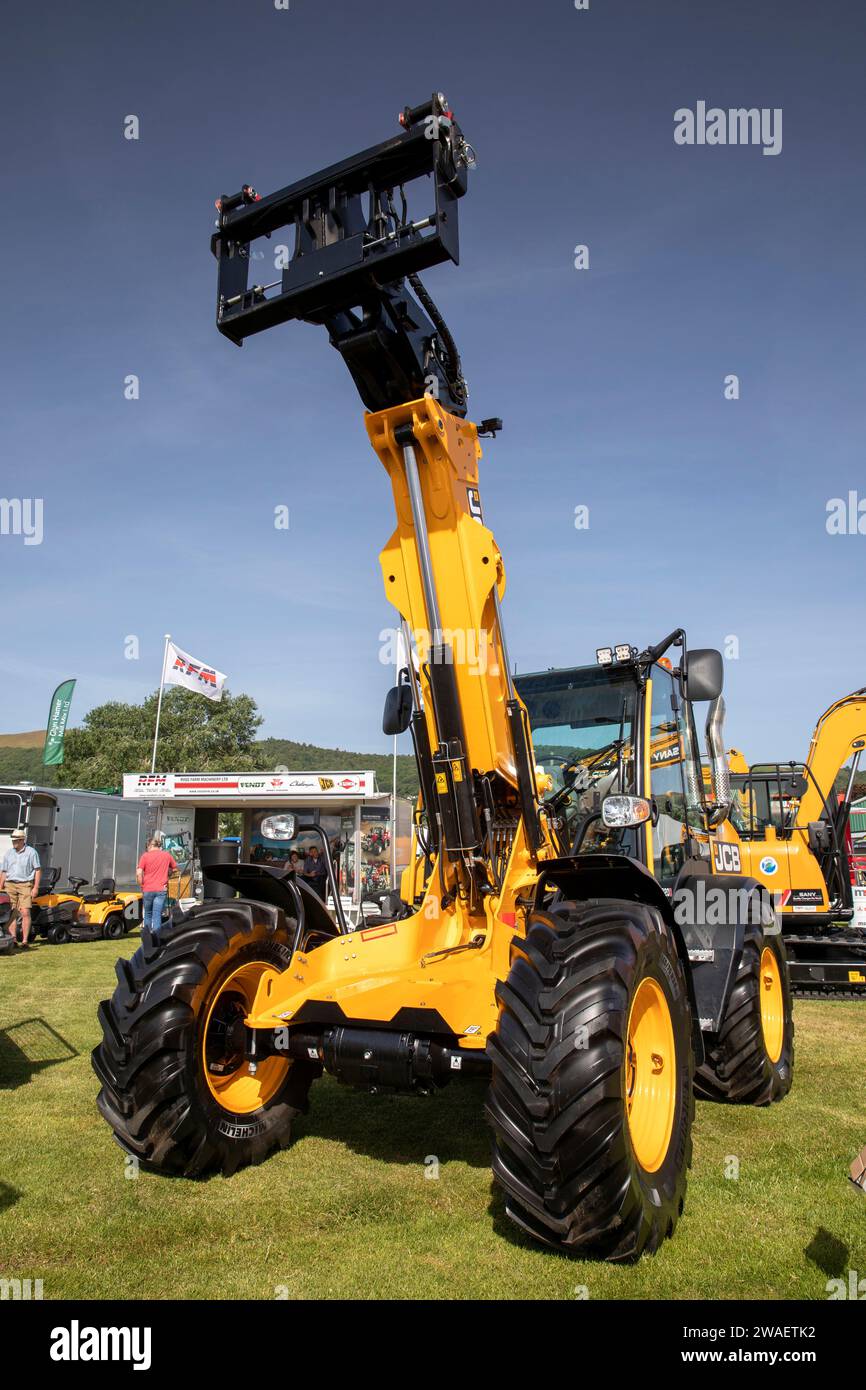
591	1099
175	1087
750	1061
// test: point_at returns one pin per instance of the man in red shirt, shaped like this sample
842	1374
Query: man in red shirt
152	873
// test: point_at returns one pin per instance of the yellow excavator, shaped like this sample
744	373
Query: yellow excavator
792	824
788	828
561	948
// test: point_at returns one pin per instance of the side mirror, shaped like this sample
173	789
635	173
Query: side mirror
705	674
619	812
280	827
398	709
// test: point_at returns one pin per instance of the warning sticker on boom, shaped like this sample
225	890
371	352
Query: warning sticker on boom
473	497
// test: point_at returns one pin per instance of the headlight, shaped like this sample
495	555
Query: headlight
620	811
279	827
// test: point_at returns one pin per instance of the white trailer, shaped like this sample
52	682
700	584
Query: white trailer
89	835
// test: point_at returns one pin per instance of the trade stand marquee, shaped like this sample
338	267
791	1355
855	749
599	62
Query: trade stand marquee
347	806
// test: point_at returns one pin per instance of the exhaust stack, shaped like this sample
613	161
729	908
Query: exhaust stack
720	776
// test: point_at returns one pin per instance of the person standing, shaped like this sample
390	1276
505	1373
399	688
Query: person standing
315	873
152	873
20	872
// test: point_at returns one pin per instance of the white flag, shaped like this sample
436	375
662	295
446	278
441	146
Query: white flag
183	669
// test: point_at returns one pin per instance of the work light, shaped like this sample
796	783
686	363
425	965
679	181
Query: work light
604	656
620	811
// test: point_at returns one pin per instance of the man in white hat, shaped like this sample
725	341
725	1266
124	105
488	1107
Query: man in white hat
20	872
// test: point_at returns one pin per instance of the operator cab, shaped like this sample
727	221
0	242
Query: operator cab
583	723
590	726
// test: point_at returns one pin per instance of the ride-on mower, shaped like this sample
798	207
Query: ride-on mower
565	974
7	940
102	913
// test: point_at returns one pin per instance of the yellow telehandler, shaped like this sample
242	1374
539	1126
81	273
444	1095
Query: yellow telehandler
581	977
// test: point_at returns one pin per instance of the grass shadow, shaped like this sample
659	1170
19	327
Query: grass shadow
8	1196
830	1254
28	1047
448	1125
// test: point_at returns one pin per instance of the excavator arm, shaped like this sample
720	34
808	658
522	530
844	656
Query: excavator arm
839	734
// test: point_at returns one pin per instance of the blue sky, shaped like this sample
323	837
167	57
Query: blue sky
158	513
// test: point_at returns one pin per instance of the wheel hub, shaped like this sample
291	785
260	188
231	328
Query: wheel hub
772	1005
238	1085
650	1075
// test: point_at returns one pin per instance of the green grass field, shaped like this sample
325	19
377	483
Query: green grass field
349	1211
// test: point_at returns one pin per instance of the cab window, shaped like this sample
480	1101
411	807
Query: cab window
764	800
672	778
582	722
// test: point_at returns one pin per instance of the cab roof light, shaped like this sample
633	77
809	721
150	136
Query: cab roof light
625	651
604	656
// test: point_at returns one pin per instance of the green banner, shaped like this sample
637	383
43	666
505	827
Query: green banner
52	754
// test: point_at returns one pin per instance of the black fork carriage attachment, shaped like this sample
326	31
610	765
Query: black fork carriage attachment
354	250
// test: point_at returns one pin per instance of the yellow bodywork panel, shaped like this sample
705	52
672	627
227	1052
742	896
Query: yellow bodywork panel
374	973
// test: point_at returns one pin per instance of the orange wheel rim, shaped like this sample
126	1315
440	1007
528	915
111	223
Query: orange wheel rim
650	1075
772	1005
226	1069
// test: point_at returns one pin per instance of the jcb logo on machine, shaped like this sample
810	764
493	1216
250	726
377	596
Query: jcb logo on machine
456	770
326	784
726	858
441	783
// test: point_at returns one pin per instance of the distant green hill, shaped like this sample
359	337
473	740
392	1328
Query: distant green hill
25	764
303	757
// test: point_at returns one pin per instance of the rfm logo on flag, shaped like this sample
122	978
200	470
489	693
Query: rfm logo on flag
183	669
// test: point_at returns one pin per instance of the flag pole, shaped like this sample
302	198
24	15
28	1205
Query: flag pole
159	701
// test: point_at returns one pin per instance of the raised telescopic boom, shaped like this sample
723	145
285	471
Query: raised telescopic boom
354	268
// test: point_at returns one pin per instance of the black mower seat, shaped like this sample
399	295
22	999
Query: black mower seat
103	892
48	880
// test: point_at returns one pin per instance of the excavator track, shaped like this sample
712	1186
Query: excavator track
836	956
